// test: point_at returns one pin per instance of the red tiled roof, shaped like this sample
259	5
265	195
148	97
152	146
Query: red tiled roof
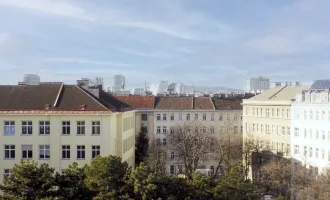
227	104
138	101
203	103
174	103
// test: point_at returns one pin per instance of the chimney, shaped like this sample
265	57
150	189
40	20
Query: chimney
47	106
83	107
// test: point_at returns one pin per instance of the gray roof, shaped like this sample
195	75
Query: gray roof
321	84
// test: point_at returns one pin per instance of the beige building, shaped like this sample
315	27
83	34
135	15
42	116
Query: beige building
267	119
60	124
162	114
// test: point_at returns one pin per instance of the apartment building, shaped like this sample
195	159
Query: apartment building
60	124
256	84
144	112
310	127
172	111
267	120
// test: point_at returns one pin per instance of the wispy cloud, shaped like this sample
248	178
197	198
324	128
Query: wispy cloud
86	61
144	54
58	7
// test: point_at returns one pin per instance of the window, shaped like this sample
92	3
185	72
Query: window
253	127
282	148
66	152
310	133
66	127
220	117
310	152
288	150
261	112
254	111
317	153
246	111
212	129
44	127
273	112
317	115
288	130
7	172
26	128
158	117
257	111
305	151
196	116
144	117
283	113
80	151
80	128
305	133
180	117
323	135
311	115
323	154
164	117
277	112
296	149
305	115
158	129
283	130
96	150
235	129
267	112
172	155
288	114
164	129
27	152
204	116
164	142
212	117
158	142
96	128
172	117
317	134
188	117
296	132
172	169
44	152
235	117
172	129
9	151
9	128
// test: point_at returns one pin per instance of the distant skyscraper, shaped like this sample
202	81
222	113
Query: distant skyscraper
176	88
256	84
163	87
154	89
31	79
118	83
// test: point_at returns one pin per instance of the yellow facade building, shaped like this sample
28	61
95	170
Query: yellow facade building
60	124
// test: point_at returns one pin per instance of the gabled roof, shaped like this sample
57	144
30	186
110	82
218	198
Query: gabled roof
227	104
56	97
321	84
138	101
204	103
174	103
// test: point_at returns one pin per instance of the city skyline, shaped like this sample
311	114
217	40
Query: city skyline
197	43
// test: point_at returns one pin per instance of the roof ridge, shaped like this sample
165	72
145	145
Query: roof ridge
212	102
277	92
58	95
92	96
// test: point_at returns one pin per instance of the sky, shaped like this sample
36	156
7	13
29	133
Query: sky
195	42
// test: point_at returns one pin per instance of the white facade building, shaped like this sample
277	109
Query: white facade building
310	127
176	88
284	83
256	84
119	83
163	87
31	79
154	89
138	91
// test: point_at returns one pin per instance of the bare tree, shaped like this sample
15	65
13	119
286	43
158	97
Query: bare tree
156	159
251	145
193	143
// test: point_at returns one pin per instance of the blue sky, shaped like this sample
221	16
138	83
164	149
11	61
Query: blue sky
205	43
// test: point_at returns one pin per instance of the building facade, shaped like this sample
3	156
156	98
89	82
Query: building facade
31	79
284	83
256	84
119	83
310	129
60	124
267	121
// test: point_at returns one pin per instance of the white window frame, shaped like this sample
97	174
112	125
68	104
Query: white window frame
164	130
11	149
27	149
81	128
66	152
66	127
96	128
44	128
27	128
44	149
81	152
96	150
9	128
159	130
